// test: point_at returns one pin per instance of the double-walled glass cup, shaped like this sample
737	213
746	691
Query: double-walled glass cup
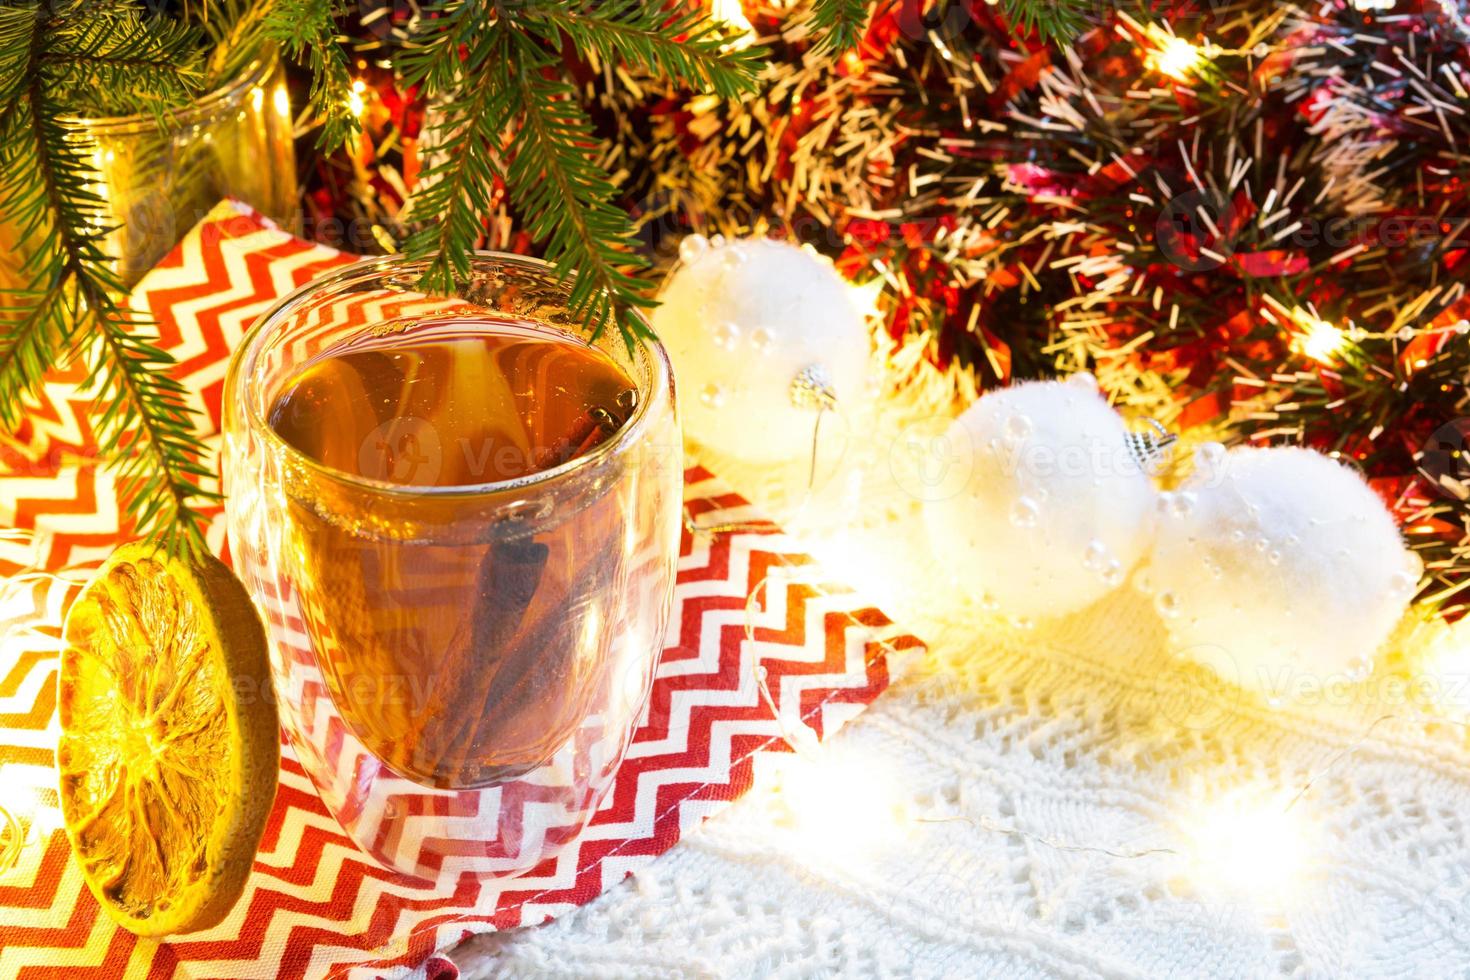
460	668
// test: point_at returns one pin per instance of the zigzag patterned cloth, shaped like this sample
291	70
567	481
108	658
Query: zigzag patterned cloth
315	905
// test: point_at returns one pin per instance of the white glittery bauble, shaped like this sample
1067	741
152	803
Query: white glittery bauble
1055	510
741	320
1275	566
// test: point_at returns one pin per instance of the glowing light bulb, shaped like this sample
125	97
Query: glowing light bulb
1174	56
257	98
732	15
1318	339
29	815
839	807
1248	844
867	296
12	840
100	218
1445	664
281	101
355	103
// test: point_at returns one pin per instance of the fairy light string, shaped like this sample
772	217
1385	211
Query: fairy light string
1234	822
21	623
823	402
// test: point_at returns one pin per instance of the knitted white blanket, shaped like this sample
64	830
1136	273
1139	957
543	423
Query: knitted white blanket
1064	801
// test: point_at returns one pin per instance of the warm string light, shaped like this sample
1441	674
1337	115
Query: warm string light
29	814
1323	342
1311	335
832	805
355	101
1445	664
1254	842
1167	53
1248	844
1259	842
1176	58
29	811
12	837
731	13
837	807
867	298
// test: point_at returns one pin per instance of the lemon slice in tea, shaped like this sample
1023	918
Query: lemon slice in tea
169	739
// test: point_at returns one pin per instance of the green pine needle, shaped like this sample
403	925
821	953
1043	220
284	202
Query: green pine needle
688	46
48	190
1057	21
431	58
568	200
513	119
839	22
30	345
456	190
309	27
112	61
158	462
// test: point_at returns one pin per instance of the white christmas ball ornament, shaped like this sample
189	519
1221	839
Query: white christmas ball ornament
1277	565
759	333
1056	509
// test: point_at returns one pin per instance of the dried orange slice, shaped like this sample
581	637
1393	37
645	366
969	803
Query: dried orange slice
169	739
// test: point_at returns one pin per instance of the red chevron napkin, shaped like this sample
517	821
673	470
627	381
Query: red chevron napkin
315	905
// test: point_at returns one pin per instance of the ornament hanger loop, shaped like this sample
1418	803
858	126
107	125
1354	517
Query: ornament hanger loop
812	388
1151	450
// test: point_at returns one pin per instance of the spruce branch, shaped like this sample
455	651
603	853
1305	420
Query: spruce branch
839	22
431	58
107	57
48	188
234	29
457	187
17	32
112	61
30	345
569	201
146	417
309	27
1057	21
303	30
35	323
687	46
497	76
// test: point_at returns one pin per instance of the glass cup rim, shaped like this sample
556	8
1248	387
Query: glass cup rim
659	366
256	71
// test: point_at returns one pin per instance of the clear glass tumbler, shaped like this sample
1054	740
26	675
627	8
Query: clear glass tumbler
460	668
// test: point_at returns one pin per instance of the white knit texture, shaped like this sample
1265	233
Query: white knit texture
1017	760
